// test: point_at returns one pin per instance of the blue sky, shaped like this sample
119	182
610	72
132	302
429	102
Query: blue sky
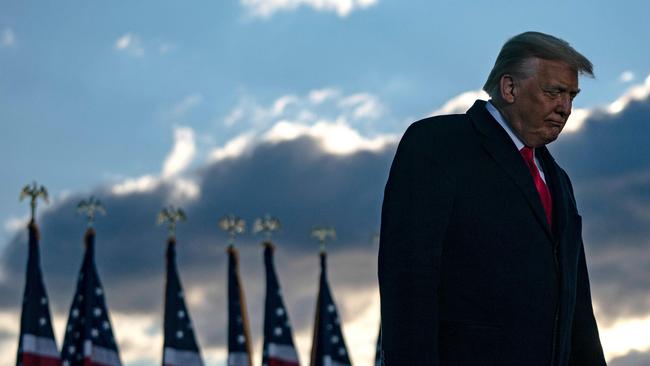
146	103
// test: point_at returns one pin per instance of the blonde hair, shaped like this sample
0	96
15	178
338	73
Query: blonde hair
519	50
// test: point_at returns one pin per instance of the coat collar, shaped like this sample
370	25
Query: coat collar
501	148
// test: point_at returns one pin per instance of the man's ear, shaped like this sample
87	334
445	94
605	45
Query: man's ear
507	88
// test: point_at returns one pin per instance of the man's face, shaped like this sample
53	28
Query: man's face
542	102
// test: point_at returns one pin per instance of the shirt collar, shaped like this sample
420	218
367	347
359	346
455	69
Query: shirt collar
502	122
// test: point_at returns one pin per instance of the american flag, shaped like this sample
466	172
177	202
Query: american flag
180	347
89	338
328	347
278	339
36	344
239	343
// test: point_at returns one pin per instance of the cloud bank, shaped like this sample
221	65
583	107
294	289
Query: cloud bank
287	168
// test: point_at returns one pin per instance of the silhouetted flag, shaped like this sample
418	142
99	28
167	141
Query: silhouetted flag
278	338
180	347
36	344
239	343
328	348
89	337
378	350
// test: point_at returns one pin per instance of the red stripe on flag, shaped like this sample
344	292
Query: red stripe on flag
36	360
276	362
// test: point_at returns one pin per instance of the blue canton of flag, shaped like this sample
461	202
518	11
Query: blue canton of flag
328	347
36	344
180	347
239	344
278	339
89	338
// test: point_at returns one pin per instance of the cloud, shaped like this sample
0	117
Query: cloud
625	336
635	93
13	224
363	105
626	77
178	188
131	44
461	103
7	38
188	103
343	8
319	96
634	358
334	137
182	153
143	184
233	148
362	108
293	169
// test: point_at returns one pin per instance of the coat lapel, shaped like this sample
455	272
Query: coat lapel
499	145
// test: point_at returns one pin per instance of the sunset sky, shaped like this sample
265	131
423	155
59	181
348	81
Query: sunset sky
293	108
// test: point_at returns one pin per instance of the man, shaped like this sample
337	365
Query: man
481	260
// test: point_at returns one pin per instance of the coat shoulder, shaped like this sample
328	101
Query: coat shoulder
439	132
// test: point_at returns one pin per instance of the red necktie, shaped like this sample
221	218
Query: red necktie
542	189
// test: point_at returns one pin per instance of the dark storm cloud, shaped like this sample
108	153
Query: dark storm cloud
609	163
296	181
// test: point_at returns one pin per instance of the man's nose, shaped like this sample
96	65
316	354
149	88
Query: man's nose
564	105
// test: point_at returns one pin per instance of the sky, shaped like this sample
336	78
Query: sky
293	108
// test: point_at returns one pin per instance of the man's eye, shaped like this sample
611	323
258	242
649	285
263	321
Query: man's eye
553	93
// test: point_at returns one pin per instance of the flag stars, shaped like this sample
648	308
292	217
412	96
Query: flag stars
66	363
239	319
80	297
181	314
105	325
241	339
335	339
278	331
341	351
42	321
97	312
331	308
180	294
279	311
94	333
43	300
75	313
179	334
98	291
72	350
